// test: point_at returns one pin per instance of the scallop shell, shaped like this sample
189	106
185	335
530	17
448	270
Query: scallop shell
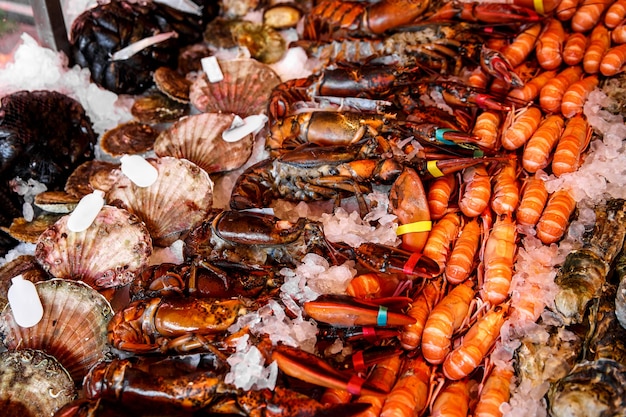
33	383
24	265
245	89
198	138
179	199
73	328
128	138
79	183
107	254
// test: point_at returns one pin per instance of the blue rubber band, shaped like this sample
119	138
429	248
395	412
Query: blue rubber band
439	132
381	319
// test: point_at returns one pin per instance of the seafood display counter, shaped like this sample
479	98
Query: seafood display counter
314	208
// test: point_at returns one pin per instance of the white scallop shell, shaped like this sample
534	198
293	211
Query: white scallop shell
33	383
179	199
107	254
73	328
245	89
198	138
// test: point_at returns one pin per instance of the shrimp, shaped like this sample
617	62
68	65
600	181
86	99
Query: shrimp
486	129
335	396
534	198
555	216
521	126
550	45
574	48
551	95
498	257
446	318
588	14
411	334
599	43
477	191
439	194
618	35
409	396
478	79
537	150
383	376
453	400
566	9
475	345
613	61
461	261
572	143
531	89
506	189
494	393
440	239
576	95
615	14
522	45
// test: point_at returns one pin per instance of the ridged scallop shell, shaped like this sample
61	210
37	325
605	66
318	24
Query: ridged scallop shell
107	254
198	138
245	89
179	199
73	328
33	383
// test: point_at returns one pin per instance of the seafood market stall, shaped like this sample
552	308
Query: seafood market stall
260	208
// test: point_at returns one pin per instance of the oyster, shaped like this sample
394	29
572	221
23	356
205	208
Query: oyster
128	138
592	389
107	254
33	383
198	138
179	199
73	328
245	89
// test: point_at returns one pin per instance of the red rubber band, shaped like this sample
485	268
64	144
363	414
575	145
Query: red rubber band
369	333
409	266
358	361
355	384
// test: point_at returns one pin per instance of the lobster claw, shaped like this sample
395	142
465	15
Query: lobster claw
484	13
309	368
496	65
392	260
345	311
488	102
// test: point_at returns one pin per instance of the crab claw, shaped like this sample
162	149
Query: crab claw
309	368
345	311
496	65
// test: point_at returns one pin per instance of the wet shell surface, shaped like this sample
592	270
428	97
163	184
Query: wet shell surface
158	108
33	384
107	254
173	84
128	138
198	138
179	199
245	89
73	327
24	265
79	183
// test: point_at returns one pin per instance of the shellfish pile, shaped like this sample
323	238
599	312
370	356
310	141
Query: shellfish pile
427	219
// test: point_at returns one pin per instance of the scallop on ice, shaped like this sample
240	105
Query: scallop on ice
107	254
73	328
179	199
245	89
198	138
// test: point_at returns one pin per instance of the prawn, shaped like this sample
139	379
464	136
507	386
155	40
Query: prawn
487	129
494	393
440	239
453	400
537	150
520	127
409	396
615	14
574	48
439	195
411	334
613	61
506	189
555	216
531	89
476	191
572	143
461	261
534	198
522	45
551	95
498	257
576	95
588	14
550	45
599	43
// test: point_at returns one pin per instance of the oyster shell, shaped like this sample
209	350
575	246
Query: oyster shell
198	138
179	199
73	328
245	89
33	383
107	254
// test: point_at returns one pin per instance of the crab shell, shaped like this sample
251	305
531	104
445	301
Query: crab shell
198	138
179	199
107	254
73	328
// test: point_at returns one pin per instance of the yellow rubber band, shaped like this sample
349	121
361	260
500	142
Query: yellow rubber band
539	6
431	166
415	227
